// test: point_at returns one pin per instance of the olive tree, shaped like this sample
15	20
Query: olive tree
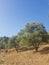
32	34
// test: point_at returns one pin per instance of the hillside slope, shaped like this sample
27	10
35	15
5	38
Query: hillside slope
26	57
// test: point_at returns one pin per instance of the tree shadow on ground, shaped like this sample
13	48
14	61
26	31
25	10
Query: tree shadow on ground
24	49
44	50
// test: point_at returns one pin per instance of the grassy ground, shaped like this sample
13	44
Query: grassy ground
26	57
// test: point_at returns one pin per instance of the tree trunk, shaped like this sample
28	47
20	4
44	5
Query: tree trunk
36	48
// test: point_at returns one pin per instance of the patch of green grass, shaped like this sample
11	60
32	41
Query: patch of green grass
1	62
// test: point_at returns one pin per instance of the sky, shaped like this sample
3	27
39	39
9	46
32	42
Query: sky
15	14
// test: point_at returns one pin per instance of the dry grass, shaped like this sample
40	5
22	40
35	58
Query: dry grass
26	57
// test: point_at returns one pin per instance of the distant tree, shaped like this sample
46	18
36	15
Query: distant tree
3	42
11	42
48	36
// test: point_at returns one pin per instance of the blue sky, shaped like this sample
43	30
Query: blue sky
14	14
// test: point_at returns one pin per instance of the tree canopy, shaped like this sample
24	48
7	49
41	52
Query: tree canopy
31	35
